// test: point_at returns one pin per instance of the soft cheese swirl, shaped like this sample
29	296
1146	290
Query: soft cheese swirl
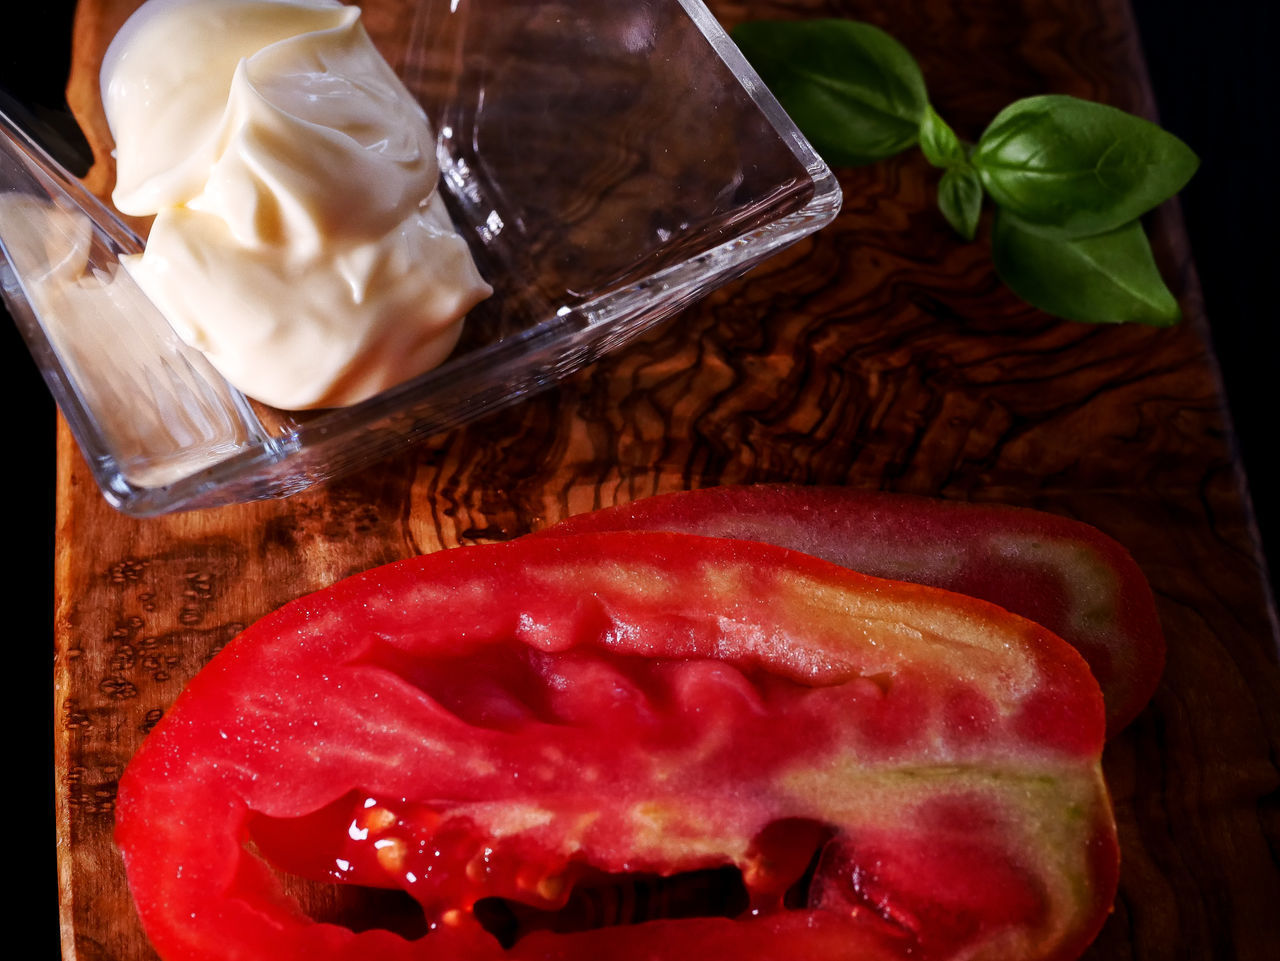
299	239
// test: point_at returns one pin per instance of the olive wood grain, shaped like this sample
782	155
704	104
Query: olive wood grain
881	353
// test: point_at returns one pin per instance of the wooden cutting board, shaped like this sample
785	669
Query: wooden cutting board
881	353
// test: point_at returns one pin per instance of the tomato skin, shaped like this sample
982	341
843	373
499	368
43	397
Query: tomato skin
1060	573
629	701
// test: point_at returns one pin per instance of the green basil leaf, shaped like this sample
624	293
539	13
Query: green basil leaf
941	146
960	199
1108	278
1078	167
851	88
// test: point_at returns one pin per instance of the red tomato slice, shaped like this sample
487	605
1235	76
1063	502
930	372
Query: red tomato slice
542	734
1060	573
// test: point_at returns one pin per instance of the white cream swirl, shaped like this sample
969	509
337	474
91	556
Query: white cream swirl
299	238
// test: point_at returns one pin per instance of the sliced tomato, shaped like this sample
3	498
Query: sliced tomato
1060	573
780	757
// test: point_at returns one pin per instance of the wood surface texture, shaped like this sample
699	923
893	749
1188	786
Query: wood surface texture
880	353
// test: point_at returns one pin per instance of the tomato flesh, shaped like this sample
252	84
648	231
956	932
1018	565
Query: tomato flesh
518	731
1060	573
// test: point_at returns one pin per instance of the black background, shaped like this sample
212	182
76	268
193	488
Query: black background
1214	77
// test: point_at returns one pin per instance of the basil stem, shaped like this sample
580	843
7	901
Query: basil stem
939	142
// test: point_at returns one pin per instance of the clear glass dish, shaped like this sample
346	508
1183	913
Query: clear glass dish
607	163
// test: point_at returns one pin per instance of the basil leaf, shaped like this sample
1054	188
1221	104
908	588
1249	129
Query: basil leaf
1078	167
1109	278
960	199
851	88
941	146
